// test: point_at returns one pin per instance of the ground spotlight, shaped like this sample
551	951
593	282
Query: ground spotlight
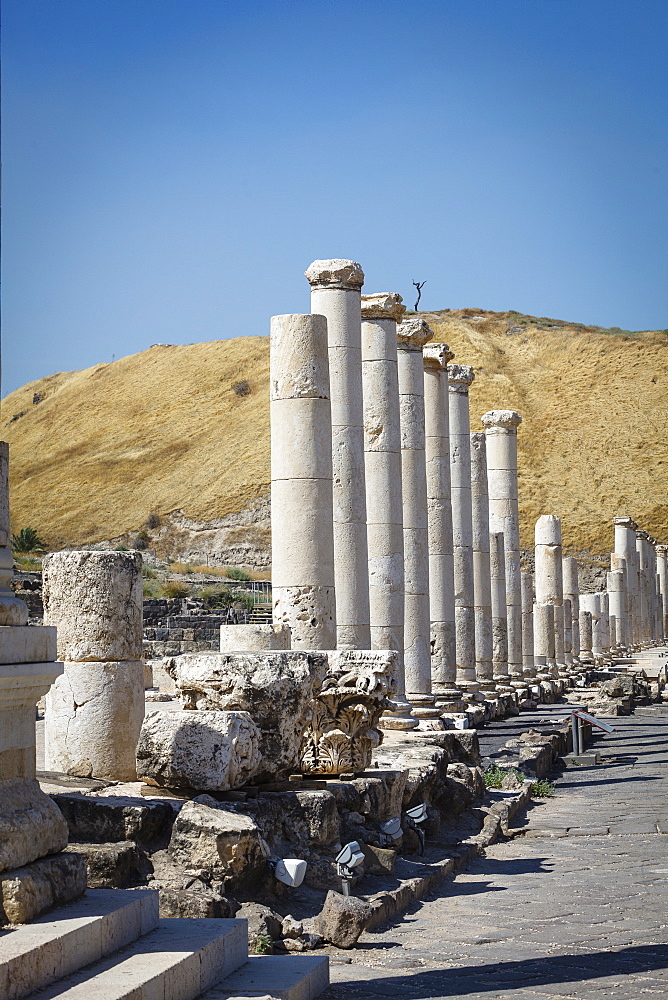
415	817
390	831
348	859
289	871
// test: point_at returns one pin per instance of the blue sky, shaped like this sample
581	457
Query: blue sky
171	167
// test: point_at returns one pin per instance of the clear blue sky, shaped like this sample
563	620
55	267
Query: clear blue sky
172	166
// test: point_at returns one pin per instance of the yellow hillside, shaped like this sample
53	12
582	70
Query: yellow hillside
165	430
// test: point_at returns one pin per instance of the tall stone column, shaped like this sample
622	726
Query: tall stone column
568	632
460	378
616	584
95	709
382	461
412	335
625	546
662	573
441	564
28	663
651	572
644	586
335	294
497	570
572	593
482	584
501	431
302	544
586	638
549	579
528	595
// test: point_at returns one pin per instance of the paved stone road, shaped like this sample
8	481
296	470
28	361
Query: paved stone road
576	908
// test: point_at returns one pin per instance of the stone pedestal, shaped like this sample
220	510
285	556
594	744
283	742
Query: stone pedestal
501	431
95	708
460	378
335	294
441	566
412	336
302	540
482	584
382	461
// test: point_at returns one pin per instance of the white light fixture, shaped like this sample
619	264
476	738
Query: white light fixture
390	831
348	859
289	871
415	817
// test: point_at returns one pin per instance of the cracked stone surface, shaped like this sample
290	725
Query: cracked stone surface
567	912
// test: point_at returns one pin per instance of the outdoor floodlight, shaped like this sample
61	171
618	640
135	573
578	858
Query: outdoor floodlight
390	831
415	817
289	871
348	859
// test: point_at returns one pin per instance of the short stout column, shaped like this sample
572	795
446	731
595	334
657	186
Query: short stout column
549	580
460	378
382	461
585	629
482	584
302	542
501	431
412	335
95	709
441	565
336	295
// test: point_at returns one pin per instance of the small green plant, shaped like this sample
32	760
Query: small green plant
242	388
494	776
234	573
121	548
542	789
148	572
263	944
174	588
152	588
141	541
27	541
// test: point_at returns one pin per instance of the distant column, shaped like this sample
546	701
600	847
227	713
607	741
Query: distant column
625	546
662	573
585	629
572	593
482	584
616	584
543	634
302	541
441	566
501	431
591	603
528	661
549	579
335	294
460	378
382	460
412	336
497	567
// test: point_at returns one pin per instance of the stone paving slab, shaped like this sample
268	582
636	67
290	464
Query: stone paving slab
564	910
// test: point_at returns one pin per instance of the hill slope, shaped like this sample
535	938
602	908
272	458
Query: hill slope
167	432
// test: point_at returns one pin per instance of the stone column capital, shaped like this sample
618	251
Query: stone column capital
509	420
662	550
642	535
625	522
413	334
437	356
340	274
383	305
460	378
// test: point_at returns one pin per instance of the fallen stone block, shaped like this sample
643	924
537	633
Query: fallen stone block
194	905
342	919
110	866
204	750
31	826
28	891
263	924
220	840
110	819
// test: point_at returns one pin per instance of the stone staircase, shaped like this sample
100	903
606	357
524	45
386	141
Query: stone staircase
112	945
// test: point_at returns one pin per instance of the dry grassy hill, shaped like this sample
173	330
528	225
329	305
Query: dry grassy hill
183	433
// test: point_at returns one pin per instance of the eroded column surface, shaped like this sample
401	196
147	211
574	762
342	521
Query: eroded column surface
382	460
460	378
549	579
302	544
335	294
662	573
625	546
497	572
95	709
482	584
412	335
528	595
616	584
501	432
27	658
572	593
441	563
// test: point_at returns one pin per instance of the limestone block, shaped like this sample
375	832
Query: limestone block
301	439
241	638
342	919
95	601
110	866
27	644
298	357
343	730
215	838
93	718
26	892
301	508
31	825
277	689
102	819
212	751
380	383
384	501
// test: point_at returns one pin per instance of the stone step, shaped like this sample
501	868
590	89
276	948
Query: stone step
60	942
178	961
288	977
